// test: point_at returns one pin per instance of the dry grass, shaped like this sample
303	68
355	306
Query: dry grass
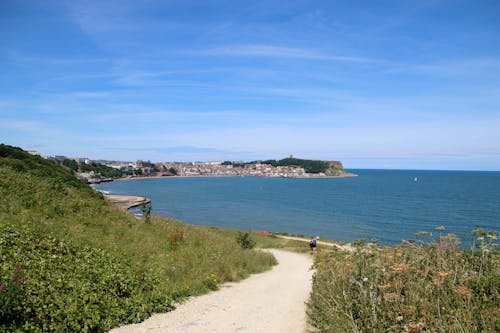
409	288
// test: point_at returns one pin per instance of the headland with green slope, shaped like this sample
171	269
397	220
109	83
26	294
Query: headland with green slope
72	261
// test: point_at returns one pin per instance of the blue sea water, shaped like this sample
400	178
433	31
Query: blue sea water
387	205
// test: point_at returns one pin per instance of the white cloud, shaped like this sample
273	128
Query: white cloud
451	68
276	52
30	60
24	126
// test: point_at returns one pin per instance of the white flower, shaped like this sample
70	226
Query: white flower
365	279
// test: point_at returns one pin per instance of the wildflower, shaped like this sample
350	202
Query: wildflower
477	231
491	236
463	291
17	277
391	297
365	279
415	327
2	287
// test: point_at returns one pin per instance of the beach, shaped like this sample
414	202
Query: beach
126	202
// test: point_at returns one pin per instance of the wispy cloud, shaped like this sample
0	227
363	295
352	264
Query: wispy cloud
53	61
277	52
205	79
452	68
24	126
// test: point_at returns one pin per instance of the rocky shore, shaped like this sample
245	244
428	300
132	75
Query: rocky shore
126	202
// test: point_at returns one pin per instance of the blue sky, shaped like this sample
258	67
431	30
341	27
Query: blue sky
375	84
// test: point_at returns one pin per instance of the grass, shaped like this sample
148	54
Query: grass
71	261
267	240
87	266
409	288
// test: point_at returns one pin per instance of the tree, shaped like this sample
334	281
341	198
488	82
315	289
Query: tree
146	208
72	164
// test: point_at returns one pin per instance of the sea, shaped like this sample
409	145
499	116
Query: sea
387	206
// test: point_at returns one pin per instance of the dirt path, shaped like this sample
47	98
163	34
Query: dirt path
346	247
273	301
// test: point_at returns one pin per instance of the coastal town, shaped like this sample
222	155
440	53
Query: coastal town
97	171
221	169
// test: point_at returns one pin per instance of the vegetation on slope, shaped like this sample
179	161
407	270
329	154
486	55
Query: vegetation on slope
409	288
99	168
331	168
310	166
70	261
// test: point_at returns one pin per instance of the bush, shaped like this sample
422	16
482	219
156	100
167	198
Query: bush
146	211
58	286
12	297
245	241
72	262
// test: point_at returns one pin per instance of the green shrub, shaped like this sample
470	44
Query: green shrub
245	241
12	297
146	211
58	286
85	265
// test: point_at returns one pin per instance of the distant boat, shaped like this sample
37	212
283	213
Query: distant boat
415	179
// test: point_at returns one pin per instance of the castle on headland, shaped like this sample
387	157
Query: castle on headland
96	171
288	168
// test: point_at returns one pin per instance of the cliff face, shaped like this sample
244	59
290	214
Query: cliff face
335	168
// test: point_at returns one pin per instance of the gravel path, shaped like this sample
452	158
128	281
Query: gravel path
346	247
273	301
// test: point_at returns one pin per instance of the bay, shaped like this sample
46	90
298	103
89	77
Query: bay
387	205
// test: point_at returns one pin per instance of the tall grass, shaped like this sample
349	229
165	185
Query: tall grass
86	265
409	288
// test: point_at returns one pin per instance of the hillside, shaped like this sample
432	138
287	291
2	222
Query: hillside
330	168
71	261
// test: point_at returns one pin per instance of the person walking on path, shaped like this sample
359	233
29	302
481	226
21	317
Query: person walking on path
312	244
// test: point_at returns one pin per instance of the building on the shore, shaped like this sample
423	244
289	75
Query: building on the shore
84	160
60	158
89	177
224	169
146	167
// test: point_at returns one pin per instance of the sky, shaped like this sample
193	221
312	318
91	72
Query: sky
375	84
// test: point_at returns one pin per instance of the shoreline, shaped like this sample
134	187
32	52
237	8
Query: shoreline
347	175
125	202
